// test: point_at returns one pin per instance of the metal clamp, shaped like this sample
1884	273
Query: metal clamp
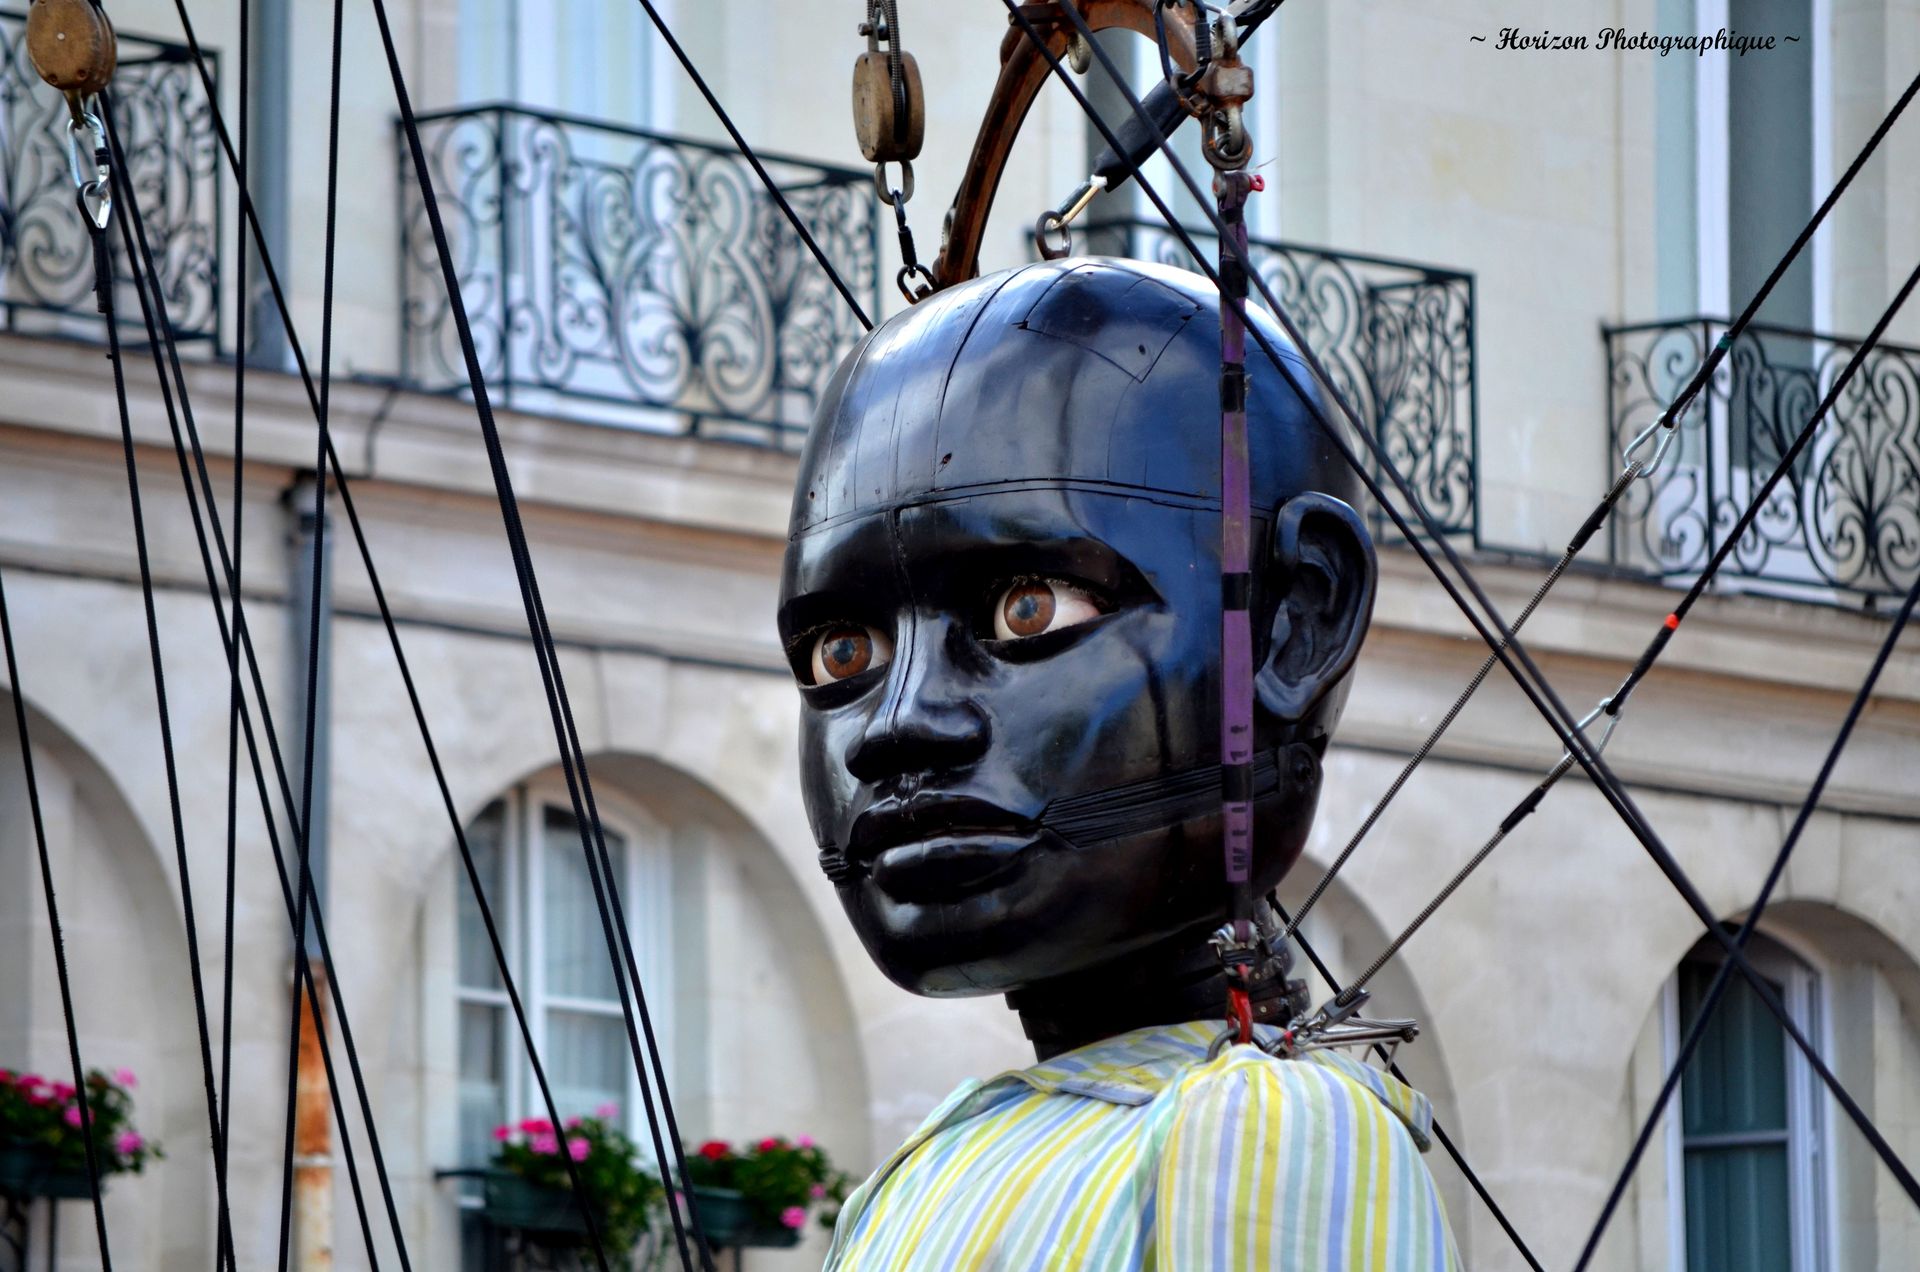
87	159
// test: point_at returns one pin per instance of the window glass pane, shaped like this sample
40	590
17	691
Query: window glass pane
1737	1210
1770	193
577	962
485	837
483	1093
587	1061
1737	1080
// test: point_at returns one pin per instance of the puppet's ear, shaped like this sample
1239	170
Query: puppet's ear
1321	570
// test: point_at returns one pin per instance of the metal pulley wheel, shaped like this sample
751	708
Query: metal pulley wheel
889	109
72	46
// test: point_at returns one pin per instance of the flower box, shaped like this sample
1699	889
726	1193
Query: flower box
728	1221
27	1170
521	1204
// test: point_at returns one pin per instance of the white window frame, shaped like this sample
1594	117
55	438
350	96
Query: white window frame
1809	1153
1712	197
534	63
645	891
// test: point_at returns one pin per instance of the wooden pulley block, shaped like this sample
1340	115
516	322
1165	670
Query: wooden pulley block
71	44
889	128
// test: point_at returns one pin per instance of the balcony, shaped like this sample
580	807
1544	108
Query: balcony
1396	337
46	260
1843	527
633	278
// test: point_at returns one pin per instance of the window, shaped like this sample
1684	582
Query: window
1741	160
1748	1138
579	57
527	850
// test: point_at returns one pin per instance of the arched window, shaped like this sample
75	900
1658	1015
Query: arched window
527	849
1749	1137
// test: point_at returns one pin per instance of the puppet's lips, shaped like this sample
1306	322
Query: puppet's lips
946	866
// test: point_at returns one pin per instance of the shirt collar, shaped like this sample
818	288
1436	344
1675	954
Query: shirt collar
1135	1067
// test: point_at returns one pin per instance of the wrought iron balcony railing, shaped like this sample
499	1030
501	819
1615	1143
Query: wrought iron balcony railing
1397	338
46	260
1844	524
622	275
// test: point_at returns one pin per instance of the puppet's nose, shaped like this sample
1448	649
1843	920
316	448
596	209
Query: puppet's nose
927	723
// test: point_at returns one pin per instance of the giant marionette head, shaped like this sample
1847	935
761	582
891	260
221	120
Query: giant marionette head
1002	601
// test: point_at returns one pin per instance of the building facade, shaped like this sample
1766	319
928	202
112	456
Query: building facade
1522	253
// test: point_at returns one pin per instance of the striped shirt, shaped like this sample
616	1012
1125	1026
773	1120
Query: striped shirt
1137	1153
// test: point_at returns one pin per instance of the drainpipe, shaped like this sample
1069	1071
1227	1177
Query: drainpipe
268	163
313	1146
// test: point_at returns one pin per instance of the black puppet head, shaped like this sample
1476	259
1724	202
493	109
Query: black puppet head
1001	598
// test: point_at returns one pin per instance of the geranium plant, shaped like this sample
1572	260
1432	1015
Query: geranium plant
622	1192
45	1114
782	1180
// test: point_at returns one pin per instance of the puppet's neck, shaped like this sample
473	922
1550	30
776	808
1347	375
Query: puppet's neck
1167	984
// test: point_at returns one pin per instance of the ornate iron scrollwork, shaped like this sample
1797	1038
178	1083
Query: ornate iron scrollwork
1397	339
1845	522
649	275
46	262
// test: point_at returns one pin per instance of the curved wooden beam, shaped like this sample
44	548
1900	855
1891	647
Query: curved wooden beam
1022	71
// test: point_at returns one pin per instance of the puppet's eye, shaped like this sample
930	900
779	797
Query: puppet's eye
844	650
1032	607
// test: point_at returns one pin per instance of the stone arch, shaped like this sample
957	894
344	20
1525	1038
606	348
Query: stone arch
765	1038
126	958
1868	1030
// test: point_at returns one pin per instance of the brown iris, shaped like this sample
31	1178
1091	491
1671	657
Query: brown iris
1028	608
845	651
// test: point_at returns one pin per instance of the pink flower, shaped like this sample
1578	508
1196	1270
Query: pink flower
61	1091
72	1115
125	1078
805	1141
607	1112
578	1148
31	1080
769	1144
537	1126
127	1143
502	1133
793	1217
817	1191
547	1144
573	1123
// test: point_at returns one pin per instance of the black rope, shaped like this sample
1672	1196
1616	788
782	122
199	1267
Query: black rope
571	755
760	170
304	845
1439	1132
1533	683
250	218
103	283
160	339
83	1095
1696	1030
224	1255
1532	800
